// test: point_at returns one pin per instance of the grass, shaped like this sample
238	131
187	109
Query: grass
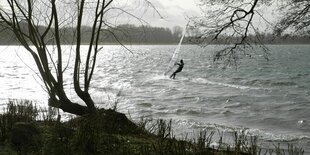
26	129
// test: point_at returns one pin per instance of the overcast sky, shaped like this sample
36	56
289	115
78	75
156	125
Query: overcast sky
174	12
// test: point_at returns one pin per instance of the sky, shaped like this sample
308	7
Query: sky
174	12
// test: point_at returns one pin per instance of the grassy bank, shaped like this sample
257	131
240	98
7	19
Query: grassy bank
27	129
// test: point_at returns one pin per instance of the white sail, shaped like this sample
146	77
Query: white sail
175	55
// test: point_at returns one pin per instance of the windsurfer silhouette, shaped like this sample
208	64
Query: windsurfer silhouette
181	65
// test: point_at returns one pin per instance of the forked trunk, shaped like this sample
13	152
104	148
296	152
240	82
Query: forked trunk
68	106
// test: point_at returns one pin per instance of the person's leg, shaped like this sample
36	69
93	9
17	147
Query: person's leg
172	75
175	73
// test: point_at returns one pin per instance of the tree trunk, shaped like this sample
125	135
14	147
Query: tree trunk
68	106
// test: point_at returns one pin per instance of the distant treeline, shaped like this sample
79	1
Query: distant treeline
126	34
131	34
256	39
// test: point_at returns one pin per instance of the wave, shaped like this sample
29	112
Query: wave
235	104
145	104
268	82
187	112
206	81
263	135
271	137
283	83
299	75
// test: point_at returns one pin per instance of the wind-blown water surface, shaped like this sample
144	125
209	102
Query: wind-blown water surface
269	98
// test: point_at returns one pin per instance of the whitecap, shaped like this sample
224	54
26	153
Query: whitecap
206	81
302	123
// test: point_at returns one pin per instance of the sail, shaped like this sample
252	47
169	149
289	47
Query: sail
175	55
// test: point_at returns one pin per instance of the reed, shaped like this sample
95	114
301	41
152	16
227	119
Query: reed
16	111
110	132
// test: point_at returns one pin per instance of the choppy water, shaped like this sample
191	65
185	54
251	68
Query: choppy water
270	99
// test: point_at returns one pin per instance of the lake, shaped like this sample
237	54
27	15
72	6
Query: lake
270	99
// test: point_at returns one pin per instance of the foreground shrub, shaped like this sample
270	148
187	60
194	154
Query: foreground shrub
23	131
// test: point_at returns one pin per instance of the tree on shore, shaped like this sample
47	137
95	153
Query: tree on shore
239	19
25	17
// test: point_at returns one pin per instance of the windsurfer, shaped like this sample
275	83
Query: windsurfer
179	69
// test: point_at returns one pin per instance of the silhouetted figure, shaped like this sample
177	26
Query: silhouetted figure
181	65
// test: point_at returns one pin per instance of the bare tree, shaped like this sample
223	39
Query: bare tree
295	19
39	26
233	21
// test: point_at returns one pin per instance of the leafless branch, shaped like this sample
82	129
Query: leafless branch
230	19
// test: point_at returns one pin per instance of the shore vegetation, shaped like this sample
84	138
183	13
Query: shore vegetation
28	129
